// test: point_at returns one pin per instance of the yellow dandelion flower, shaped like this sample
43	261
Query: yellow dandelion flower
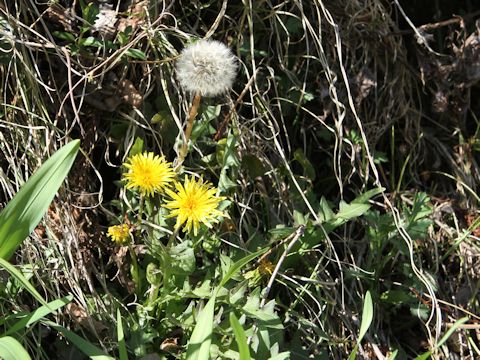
193	203
148	172
119	233
266	267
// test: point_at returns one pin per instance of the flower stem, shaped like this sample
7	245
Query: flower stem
136	270
140	209
153	294
166	260
188	130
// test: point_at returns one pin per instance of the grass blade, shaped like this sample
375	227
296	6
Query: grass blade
83	345
444	338
11	349
36	315
240	264
12	270
23	213
122	347
240	337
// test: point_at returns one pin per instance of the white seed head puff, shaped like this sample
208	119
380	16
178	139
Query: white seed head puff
207	67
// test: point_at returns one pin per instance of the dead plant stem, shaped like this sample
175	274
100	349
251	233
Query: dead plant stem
188	130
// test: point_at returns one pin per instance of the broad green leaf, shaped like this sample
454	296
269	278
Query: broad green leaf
198	347
351	211
182	258
325	212
83	345
137	147
367	317
240	337
23	213
90	41
12	270
89	14
122	347
11	349
397	297
36	315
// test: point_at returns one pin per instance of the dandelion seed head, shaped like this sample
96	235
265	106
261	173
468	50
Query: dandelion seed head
207	67
194	203
149	173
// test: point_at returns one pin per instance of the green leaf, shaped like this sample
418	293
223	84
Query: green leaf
308	168
397	297
182	259
83	345
351	211
393	355
282	356
36	315
90	41
11	349
325	212
240	264
12	270
90	13
265	315
198	347
136	54
240	337
137	147
23	213
253	165
367	317
368	195
64	36
122	348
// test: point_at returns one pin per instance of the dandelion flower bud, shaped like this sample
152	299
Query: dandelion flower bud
206	67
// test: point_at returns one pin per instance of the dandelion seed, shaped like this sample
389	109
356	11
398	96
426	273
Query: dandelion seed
119	233
149	173
193	203
206	67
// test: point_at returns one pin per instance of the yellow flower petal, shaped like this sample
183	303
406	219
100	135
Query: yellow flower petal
149	173
119	233
193	204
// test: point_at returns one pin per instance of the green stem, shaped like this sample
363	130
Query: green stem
153	294
136	270
166	265
140	209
